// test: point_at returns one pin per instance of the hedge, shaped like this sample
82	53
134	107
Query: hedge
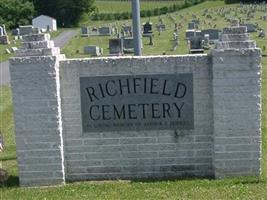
144	13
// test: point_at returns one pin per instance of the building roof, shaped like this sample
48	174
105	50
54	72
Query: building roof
44	16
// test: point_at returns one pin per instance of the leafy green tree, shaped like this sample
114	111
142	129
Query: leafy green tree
16	12
67	12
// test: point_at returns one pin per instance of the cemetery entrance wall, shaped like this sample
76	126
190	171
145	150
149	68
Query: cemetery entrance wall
147	142
136	117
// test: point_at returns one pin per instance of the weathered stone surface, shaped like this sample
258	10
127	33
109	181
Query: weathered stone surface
37	113
235	37
235	30
235	45
36	37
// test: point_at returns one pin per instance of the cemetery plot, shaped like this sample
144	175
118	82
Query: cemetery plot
205	22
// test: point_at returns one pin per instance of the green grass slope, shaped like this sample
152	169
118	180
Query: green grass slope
125	6
162	42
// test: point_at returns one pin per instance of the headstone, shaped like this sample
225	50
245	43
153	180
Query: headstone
15	32
150	40
206	42
104	31
127	29
26	30
189	34
115	46
234	22
175	36
128	45
262	33
175	41
214	34
4	29
1	142
93	32
8	51
14	49
92	50
85	32
3	36
250	27
1	31
207	38
196	45
191	25
147	28
198	33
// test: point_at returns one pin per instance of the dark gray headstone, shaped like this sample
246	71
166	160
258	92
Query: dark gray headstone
147	28
92	50
116	46
189	34
85	31
250	27
191	25
104	31
128	44
26	30
213	33
196	43
15	32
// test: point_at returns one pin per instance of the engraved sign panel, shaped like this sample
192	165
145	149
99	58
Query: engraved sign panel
137	102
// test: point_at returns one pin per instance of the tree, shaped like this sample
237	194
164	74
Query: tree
16	12
67	12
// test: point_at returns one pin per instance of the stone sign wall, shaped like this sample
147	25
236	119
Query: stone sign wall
140	102
137	117
152	149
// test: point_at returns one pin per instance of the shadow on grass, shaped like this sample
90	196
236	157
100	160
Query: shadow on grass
249	180
12	181
8	158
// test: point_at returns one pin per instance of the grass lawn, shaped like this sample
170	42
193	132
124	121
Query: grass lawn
162	43
234	188
13	43
124	6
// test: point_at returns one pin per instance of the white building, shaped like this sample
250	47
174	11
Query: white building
45	23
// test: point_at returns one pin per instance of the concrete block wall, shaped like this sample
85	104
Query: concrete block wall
237	112
137	154
35	88
236	71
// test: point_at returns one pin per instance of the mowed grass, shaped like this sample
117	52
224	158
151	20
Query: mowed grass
234	188
125	6
163	43
13	43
